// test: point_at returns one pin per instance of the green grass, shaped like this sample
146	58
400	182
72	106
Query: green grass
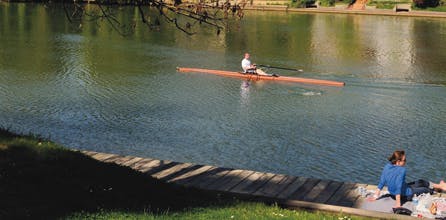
438	9
242	210
42	180
386	4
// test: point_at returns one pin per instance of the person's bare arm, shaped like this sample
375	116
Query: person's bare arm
375	196
398	201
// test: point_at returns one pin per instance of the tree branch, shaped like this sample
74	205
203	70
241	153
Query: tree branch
211	14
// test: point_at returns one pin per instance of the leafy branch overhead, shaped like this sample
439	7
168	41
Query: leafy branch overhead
184	15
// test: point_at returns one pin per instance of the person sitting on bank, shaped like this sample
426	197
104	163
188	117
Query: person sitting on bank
394	176
252	68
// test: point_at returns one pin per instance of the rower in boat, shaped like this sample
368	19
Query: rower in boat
249	68
260	77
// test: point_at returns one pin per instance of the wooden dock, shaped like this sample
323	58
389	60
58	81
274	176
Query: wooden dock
288	191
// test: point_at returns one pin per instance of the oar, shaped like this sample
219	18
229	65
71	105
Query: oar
282	68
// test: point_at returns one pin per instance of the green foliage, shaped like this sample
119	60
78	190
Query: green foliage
430	5
426	3
327	3
296	4
302	3
438	8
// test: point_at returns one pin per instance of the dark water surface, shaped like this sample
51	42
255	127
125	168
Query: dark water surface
93	89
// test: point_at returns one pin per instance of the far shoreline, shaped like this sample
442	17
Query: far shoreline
339	9
333	10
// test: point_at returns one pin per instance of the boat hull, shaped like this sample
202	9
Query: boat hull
261	77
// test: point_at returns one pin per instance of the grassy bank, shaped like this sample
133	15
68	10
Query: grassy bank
42	180
379	4
242	210
436	9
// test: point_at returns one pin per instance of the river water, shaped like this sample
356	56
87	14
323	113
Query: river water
89	88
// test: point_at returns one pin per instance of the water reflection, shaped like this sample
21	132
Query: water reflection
244	94
394	50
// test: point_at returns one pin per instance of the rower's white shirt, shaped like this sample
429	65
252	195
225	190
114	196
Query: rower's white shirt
246	64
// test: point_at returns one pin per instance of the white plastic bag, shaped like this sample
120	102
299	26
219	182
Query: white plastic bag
423	206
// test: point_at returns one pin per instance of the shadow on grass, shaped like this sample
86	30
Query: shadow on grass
39	179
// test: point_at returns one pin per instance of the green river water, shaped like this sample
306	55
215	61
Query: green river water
87	87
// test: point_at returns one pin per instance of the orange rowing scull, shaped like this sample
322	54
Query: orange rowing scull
262	77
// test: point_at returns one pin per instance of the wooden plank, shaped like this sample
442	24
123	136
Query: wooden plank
242	187
300	193
152	164
274	186
102	156
329	191
241	177
253	183
111	159
210	179
171	171
260	182
213	176
181	172
149	165
189	175
271	187
353	197
236	179
122	160
132	161
89	153
316	191
341	193
292	187
140	163
231	179
200	178
160	167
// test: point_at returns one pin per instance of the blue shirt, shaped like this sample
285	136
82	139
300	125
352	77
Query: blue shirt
395	178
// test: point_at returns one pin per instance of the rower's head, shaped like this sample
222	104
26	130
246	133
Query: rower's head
246	55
